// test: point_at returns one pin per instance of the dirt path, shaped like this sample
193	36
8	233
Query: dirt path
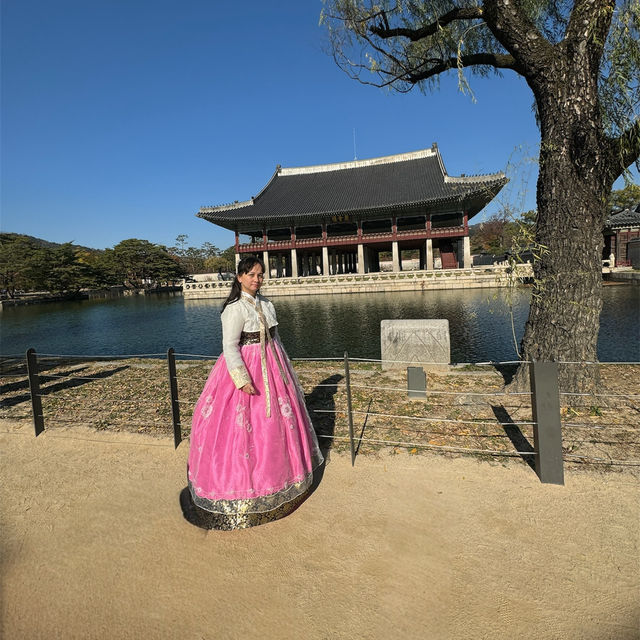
94	545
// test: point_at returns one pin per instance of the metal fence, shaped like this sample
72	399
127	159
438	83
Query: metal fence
355	403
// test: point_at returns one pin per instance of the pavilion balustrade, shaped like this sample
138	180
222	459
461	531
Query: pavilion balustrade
407	234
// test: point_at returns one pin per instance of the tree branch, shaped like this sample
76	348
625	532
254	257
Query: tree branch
590	21
466	13
625	150
497	60
514	30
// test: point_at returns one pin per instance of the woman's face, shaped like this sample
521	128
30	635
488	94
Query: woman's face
252	280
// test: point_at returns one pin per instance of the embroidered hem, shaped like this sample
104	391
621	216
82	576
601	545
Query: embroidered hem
257	505
230	522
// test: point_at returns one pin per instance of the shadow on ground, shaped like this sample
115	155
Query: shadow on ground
516	436
67	381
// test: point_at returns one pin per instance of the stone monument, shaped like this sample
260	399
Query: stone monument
423	343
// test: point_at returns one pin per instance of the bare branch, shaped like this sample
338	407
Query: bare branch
466	13
349	65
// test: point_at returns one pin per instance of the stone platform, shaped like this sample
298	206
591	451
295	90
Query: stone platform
209	286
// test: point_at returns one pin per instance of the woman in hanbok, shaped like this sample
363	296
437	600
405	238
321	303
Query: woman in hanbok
253	448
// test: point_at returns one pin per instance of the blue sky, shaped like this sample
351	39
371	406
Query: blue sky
121	118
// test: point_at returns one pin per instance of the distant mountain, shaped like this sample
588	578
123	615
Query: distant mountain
45	243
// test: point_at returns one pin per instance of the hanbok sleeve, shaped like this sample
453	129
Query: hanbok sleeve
232	325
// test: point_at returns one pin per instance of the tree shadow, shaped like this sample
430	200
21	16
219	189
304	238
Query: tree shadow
507	371
13	366
69	382
21	372
321	397
12	387
18	366
516	436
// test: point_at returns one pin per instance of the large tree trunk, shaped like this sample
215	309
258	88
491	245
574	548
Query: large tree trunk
573	184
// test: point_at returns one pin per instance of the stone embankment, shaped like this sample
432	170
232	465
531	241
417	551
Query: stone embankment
210	286
628	275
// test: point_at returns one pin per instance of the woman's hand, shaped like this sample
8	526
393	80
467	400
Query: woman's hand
249	388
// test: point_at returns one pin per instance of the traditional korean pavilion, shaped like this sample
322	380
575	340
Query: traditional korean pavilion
620	229
338	218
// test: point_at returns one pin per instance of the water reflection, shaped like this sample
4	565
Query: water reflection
328	325
311	326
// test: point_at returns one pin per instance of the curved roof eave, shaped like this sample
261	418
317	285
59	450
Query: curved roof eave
232	223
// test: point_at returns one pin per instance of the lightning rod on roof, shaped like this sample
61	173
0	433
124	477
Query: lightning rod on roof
355	155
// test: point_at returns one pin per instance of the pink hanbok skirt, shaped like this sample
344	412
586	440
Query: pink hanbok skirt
244	467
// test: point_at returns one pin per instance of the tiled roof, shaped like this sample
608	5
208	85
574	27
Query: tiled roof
626	218
362	189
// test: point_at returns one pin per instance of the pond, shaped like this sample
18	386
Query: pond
311	326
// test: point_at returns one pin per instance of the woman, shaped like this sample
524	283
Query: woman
253	448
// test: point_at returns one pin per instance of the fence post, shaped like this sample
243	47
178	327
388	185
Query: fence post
34	389
349	412
547	430
173	389
416	382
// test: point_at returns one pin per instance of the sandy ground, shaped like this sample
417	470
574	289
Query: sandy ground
94	545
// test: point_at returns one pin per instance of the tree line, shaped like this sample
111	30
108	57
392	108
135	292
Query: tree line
30	264
506	232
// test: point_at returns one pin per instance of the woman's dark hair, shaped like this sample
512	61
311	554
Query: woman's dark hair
244	266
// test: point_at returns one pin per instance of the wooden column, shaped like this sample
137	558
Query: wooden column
325	261
294	254
361	264
429	249
466	251
395	253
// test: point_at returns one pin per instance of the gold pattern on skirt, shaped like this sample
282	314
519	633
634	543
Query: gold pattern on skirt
259	504
230	522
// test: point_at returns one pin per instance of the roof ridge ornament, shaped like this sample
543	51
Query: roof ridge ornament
355	164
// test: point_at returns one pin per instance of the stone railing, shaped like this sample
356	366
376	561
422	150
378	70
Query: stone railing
367	282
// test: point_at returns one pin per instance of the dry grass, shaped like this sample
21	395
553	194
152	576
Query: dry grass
467	410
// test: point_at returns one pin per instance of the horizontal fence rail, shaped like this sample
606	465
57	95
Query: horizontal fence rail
543	426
